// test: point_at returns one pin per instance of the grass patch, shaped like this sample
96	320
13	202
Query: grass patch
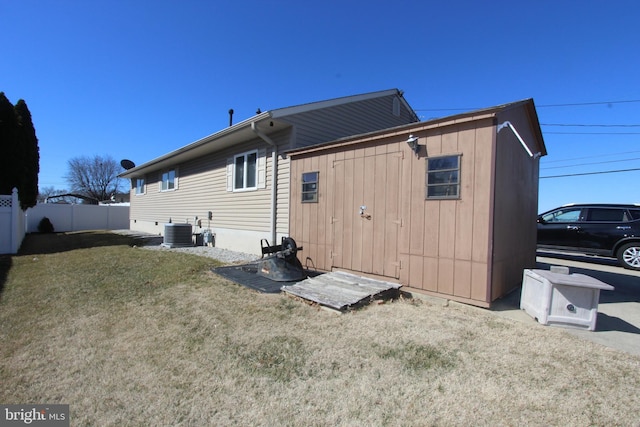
418	357
280	357
128	336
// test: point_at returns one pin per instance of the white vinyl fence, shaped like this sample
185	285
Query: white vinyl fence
78	217
15	223
12	221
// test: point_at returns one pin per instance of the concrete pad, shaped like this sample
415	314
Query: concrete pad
618	323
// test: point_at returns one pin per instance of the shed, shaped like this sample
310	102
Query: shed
445	207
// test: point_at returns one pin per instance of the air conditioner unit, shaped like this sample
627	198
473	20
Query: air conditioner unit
177	235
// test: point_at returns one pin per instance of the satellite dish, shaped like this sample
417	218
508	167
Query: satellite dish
127	164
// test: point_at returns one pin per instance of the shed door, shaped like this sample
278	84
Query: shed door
366	214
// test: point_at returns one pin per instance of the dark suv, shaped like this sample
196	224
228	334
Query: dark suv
606	230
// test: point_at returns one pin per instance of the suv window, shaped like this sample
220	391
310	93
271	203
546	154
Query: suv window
607	214
635	214
563	215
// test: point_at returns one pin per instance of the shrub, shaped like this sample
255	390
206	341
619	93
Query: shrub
45	225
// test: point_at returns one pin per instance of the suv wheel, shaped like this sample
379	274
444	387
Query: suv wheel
629	255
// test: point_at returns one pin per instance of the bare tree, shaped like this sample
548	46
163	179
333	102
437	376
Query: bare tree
44	192
95	178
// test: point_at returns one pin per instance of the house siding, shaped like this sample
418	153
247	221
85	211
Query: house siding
328	124
239	219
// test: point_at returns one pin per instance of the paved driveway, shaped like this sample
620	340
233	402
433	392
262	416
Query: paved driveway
618	323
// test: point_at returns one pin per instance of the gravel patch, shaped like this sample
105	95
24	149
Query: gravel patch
222	255
154	242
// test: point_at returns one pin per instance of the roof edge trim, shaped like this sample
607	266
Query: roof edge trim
226	131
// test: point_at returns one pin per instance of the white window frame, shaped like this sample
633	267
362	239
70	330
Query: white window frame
244	187
167	173
140	188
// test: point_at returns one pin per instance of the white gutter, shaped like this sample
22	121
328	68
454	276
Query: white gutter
274	179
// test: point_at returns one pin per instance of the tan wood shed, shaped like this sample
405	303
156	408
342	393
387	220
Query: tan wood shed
445	207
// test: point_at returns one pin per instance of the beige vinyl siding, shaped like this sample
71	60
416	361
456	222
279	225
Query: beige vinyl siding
203	188
327	124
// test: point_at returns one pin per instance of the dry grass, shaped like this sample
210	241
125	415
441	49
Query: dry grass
134	337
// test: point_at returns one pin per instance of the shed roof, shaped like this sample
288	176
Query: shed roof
268	122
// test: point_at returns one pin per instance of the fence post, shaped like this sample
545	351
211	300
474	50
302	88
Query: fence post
15	221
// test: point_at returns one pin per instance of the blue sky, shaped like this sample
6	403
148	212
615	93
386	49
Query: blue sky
137	79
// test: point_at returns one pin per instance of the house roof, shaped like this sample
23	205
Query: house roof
267	122
484	113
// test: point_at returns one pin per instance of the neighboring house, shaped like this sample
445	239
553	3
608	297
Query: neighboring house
236	181
454	217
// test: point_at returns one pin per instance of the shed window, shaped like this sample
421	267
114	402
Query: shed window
443	177
168	180
140	186
244	175
310	187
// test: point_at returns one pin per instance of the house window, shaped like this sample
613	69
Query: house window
443	177
310	187
244	174
140	186
168	182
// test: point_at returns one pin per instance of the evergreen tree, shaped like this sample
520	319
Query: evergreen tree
9	155
28	142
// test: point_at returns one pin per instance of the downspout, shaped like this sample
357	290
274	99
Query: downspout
524	145
274	178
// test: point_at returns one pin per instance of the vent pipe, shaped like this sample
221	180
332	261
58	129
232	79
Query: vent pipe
230	117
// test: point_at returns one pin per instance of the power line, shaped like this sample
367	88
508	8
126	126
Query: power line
576	104
592	163
590	173
593	125
590	157
591	133
588	103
